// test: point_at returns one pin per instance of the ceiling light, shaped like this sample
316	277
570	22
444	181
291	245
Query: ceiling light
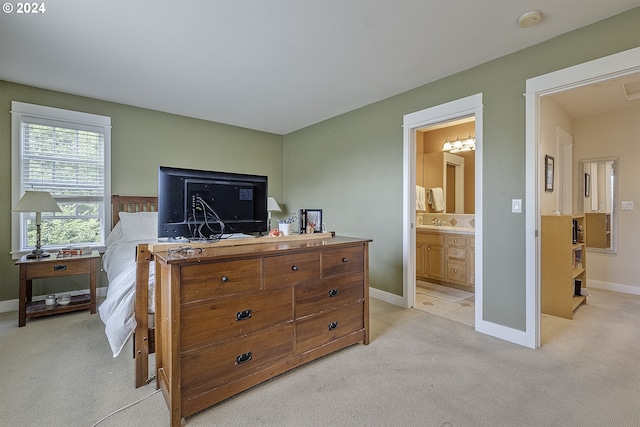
529	19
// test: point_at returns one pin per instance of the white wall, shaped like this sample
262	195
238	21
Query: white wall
615	134
551	117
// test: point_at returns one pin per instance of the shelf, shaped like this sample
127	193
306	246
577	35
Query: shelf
39	308
576	272
577	300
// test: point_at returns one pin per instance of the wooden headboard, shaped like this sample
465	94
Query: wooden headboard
132	204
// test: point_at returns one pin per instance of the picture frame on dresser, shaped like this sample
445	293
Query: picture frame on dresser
310	219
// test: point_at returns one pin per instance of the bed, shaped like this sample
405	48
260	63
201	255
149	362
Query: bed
127	308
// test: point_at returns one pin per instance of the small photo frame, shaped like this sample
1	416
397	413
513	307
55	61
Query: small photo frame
548	173
310	221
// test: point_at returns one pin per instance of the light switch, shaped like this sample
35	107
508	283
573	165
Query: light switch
516	205
626	206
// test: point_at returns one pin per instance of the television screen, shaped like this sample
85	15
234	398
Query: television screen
197	204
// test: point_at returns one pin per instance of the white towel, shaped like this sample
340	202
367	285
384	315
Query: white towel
436	199
421	204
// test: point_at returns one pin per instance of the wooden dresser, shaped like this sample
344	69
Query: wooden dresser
229	318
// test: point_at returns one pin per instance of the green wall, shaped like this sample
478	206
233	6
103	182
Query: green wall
141	140
351	165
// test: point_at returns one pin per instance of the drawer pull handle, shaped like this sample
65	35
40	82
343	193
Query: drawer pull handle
243	358
333	292
333	325
455	252
224	279
61	267
345	259
294	268
243	315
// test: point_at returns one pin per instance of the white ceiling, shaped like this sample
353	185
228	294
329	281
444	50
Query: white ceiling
610	95
270	65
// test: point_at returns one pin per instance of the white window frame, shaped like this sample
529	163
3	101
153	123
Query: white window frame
20	109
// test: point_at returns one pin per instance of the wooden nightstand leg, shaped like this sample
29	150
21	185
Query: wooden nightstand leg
92	284
22	298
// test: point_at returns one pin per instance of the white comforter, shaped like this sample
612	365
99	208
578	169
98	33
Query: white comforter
117	310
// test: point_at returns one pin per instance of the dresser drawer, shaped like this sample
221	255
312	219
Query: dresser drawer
58	268
457	241
286	270
329	293
220	365
457	253
431	238
342	260
457	271
219	320
319	330
216	279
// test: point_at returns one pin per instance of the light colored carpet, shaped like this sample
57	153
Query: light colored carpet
419	370
443	292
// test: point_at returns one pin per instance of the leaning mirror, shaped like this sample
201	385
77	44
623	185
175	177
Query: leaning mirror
599	197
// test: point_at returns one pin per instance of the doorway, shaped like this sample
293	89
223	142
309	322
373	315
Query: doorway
599	70
470	107
445	233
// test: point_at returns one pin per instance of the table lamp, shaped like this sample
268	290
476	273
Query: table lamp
38	202
272	206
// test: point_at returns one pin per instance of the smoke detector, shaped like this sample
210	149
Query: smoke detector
529	19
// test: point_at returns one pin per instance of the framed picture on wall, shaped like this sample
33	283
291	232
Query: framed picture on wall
310	221
548	173
587	185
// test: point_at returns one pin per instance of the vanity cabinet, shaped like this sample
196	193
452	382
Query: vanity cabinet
228	318
457	258
444	257
563	264
430	255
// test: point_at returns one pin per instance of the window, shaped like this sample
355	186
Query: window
66	153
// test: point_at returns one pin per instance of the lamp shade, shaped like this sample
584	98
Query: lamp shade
37	201
272	205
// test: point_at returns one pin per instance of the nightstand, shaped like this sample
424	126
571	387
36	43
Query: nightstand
53	266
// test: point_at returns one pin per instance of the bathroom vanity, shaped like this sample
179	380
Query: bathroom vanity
446	255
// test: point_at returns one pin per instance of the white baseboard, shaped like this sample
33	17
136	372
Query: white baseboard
614	287
387	297
12	304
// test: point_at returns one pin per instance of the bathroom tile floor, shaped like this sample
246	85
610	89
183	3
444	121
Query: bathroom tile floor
443	301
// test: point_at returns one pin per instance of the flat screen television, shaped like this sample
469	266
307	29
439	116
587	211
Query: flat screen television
197	204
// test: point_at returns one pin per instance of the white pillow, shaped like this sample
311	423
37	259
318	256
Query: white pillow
139	226
116	235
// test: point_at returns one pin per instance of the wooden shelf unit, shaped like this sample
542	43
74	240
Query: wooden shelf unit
563	262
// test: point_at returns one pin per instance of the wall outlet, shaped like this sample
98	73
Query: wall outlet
626	206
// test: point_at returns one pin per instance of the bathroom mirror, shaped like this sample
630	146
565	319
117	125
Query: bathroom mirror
599	200
455	175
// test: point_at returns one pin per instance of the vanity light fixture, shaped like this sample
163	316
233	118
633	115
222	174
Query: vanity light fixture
459	144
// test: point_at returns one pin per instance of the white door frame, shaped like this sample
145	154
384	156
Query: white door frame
454	110
598	70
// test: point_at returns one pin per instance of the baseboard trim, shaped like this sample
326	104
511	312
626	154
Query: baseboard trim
614	287
12	304
387	297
